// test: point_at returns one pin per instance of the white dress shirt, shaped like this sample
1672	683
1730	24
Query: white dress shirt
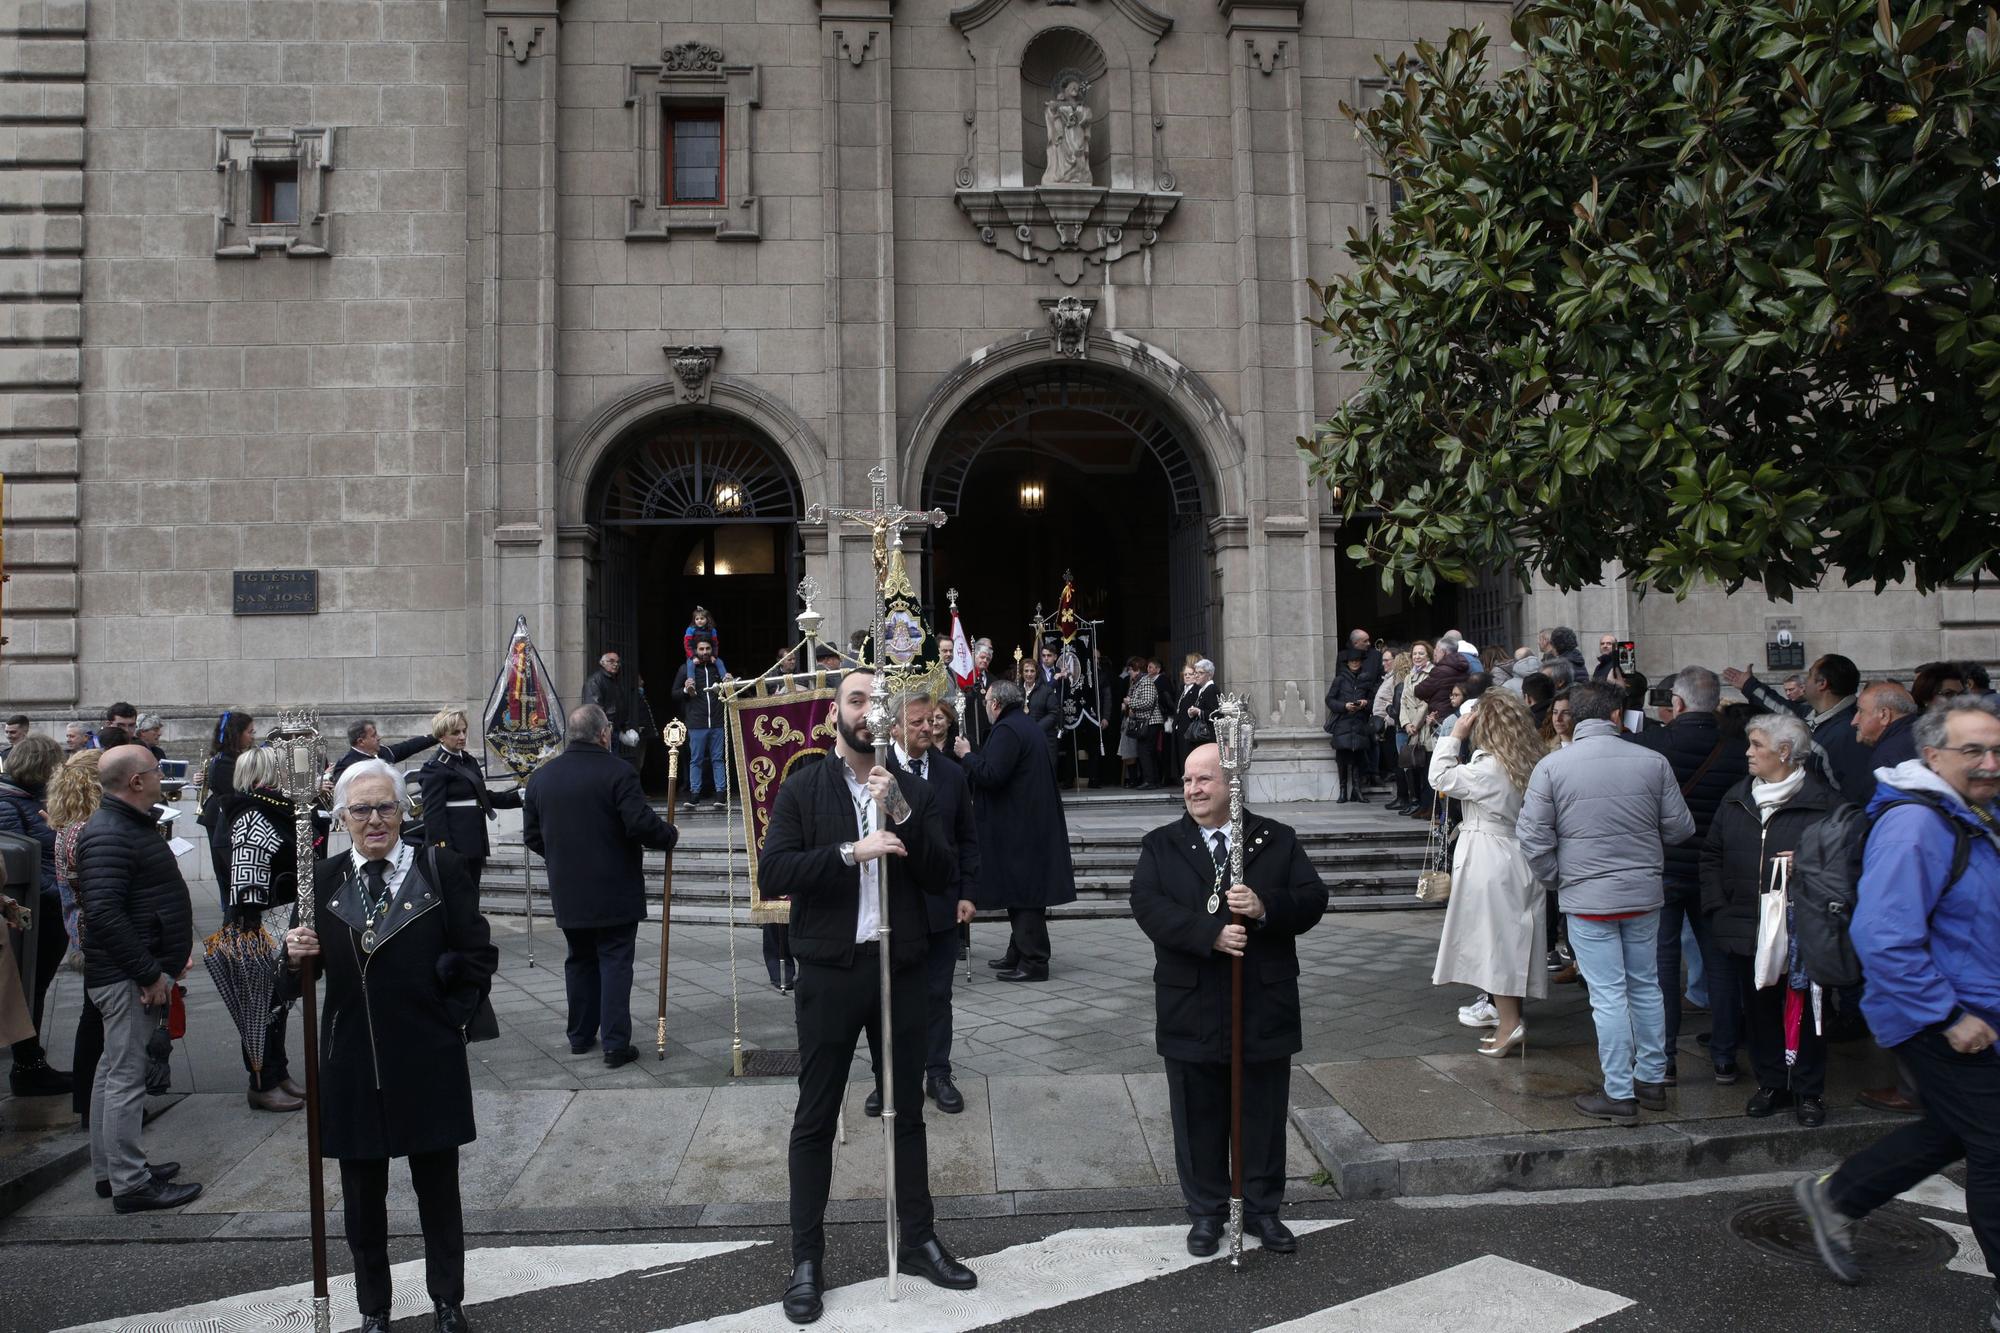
399	866
867	917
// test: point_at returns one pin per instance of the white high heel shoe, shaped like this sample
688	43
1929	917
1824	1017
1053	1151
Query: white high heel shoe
1497	1049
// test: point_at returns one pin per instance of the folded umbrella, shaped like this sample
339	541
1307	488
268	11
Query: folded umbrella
244	966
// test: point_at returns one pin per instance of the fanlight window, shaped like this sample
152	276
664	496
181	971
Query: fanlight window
699	469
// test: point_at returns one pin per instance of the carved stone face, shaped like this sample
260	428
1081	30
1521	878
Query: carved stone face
1071	90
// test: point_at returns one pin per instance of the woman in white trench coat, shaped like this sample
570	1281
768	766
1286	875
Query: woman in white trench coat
1494	930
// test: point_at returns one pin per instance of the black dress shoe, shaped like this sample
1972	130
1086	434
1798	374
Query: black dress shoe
932	1262
1764	1101
585	1049
157	1195
802	1302
624	1055
945	1093
374	1323
1204	1236
1273	1234
1812	1112
451	1319
1726	1074
873	1106
162	1173
1003	963
1025	973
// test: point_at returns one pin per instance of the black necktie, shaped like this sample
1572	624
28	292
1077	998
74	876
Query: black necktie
1220	850
377	875
920	768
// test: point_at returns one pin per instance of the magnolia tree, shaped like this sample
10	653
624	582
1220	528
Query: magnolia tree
1705	287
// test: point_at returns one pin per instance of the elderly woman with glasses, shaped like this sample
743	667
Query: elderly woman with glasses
1757	828
407	960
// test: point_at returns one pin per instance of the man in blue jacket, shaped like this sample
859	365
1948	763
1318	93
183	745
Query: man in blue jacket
1928	946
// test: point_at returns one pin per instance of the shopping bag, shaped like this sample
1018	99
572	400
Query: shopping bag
1773	935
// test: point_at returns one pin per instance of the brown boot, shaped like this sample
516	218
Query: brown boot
274	1099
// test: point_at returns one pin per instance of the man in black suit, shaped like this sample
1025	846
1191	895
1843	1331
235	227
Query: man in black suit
1182	899
913	752
1044	708
826	847
585	815
364	742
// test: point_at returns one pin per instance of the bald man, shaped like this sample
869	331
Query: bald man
1183	898
1885	718
138	938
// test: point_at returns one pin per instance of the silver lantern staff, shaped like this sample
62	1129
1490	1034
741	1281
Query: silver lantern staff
301	755
958	706
885	522
1234	736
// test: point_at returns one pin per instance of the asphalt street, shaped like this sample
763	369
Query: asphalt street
1640	1258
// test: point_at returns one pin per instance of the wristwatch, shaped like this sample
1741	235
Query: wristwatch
847	853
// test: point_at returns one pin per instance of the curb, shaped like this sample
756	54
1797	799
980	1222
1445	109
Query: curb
1653	1152
30	1173
766	1216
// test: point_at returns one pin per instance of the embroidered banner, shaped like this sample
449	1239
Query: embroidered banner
770	736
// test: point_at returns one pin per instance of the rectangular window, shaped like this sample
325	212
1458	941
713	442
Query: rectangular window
276	192
692	142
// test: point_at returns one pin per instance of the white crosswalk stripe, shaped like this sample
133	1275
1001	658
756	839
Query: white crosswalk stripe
1021	1280
1490	1294
491	1274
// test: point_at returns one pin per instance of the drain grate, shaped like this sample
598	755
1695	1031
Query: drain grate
770	1064
1885	1240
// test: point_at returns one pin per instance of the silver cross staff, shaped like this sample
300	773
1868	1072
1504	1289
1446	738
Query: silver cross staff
885	521
1234	735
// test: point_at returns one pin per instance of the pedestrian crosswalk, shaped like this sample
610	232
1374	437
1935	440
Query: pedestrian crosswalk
1491	1294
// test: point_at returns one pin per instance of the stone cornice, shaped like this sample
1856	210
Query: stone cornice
1150	20
1263	15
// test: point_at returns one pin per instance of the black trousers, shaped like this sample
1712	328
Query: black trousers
1198	1094
475	866
89	1049
1764	1021
939	970
1028	945
276	1068
778	952
598	976
835	1006
364	1187
1961	1121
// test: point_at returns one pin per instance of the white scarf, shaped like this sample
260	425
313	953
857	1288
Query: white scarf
1770	795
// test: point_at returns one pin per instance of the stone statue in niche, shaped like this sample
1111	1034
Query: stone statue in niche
1068	122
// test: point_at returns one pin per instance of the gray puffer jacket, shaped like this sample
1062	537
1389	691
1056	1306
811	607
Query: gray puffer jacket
1596	821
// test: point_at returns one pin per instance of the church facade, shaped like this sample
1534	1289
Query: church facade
342	332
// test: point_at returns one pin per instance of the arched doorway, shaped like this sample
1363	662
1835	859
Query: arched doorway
1066	465
692	508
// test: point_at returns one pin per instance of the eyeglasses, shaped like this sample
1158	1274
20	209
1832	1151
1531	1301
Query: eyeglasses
1972	753
368	813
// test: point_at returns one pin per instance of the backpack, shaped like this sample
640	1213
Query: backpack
1826	882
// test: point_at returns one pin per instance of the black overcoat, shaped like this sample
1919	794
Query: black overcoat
813	816
393	1079
1044	707
388	753
1736	858
1190	979
954	800
1355	729
449	777
586	816
1024	858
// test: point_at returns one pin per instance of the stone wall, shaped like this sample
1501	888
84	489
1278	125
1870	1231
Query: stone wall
287	410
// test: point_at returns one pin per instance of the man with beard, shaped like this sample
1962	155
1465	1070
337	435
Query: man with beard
1183	900
826	849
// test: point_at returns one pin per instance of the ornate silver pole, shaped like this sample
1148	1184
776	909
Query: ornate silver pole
885	522
302	757
1234	736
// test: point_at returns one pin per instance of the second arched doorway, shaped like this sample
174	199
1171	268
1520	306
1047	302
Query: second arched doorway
1064	465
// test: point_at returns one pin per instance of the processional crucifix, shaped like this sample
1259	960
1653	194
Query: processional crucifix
885	522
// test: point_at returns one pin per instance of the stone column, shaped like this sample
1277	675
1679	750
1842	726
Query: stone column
41	276
511	313
857	209
1274	622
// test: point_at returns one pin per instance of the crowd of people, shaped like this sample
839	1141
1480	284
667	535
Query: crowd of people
1627	842
1675	852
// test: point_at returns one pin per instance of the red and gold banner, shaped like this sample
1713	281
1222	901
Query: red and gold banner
770	736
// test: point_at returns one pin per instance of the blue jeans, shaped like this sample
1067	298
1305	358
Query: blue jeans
706	754
1621	964
1680	918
